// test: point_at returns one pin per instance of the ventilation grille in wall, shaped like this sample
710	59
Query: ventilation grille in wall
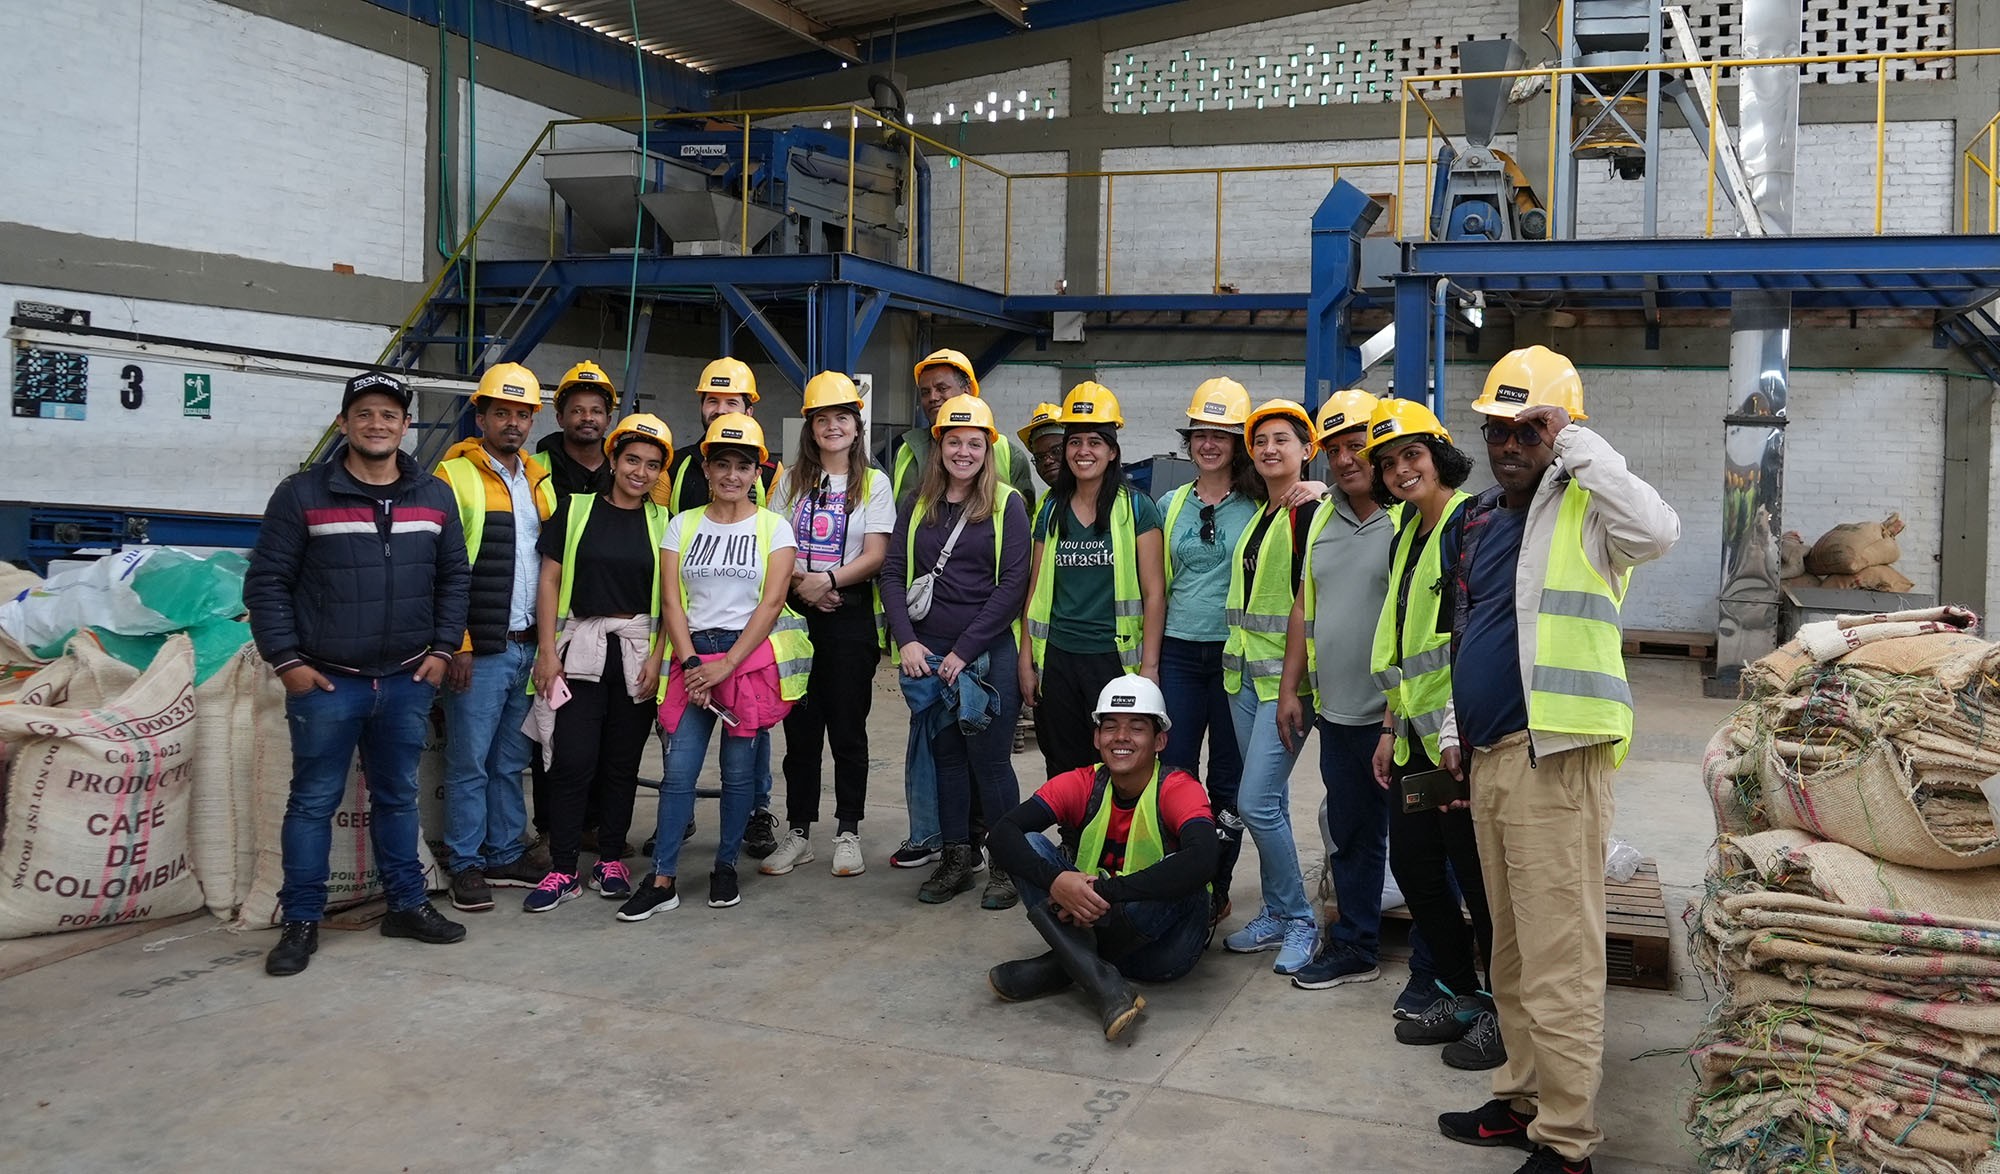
1840	27
1339	73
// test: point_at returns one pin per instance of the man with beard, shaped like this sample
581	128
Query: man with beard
502	501
574	456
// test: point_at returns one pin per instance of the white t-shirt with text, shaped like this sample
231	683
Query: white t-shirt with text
828	536
720	567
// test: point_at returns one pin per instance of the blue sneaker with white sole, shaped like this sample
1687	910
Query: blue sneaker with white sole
1264	932
555	888
1300	944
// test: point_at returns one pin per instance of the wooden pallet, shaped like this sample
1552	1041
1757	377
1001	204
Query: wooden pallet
1676	645
1637	934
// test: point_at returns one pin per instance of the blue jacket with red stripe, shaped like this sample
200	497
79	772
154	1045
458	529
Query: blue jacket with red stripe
358	579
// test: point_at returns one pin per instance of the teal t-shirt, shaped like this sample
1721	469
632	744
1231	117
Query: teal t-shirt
1198	592
1081	619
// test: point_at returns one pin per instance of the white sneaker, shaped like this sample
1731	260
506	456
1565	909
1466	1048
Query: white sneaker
847	855
793	851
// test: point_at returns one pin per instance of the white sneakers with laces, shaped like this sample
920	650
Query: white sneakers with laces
793	851
847	855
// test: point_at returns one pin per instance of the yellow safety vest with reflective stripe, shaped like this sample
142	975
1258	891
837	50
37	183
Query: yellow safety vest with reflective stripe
1578	683
906	463
1175	503
1128	612
789	644
1143	845
1416	678
1261	612
580	505
468	489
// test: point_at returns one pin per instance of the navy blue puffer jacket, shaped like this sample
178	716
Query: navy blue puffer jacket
357	579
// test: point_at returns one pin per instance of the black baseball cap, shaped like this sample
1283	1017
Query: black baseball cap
375	383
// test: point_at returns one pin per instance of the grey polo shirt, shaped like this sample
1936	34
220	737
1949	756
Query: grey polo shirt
1350	569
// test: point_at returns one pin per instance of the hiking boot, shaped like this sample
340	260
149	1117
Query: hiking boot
914	856
649	899
1300	944
1028	978
297	943
611	879
792	851
470	892
722	891
423	923
999	892
1337	965
519	873
952	876
1546	1161
847	858
1264	932
760	838
1446	1019
1479	1048
555	888
1493	1123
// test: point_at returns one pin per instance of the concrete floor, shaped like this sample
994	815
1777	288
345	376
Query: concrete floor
824	1024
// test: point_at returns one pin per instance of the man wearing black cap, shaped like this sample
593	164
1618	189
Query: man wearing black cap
357	596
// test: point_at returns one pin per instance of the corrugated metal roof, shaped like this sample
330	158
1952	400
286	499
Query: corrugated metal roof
711	35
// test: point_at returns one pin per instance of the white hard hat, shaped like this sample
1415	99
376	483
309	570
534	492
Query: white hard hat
1132	694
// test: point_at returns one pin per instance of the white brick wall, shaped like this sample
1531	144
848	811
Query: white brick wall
261	426
1035	261
507	127
197	125
993	97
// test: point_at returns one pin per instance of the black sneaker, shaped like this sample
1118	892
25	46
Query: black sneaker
760	839
297	943
1337	965
1493	1123
1448	1018
470	891
521	873
649	899
722	889
915	856
1418	995
1546	1161
423	923
1479	1048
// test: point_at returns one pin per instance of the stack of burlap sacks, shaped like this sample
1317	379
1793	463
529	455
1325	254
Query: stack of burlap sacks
1851	916
1852	555
132	796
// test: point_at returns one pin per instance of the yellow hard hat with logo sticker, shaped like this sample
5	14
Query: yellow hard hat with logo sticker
956	360
1219	405
737	430
1091	403
510	383
643	426
1274	409
1047	415
726	376
830	389
1401	419
1344	410
965	411
1531	377
590	376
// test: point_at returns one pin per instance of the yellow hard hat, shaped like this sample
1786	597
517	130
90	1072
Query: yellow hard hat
1047	415
1530	377
590	375
830	389
644	425
1396	419
728	376
1272	409
735	428
947	357
1344	410
1220	405
510	383
1091	403
965	411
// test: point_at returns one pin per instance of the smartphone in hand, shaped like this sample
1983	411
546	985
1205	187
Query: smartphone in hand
558	692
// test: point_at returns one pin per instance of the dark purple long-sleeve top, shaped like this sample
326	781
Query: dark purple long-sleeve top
971	606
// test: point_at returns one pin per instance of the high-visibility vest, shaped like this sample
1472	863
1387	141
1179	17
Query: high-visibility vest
906	464
1175	503
758	493
1260	613
468	489
1144	845
1418	698
790	646
1128	612
580	505
1578	685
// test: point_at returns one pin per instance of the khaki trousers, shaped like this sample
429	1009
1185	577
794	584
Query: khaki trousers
1541	835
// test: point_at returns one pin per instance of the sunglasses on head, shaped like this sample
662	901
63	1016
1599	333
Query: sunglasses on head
1527	434
1208	525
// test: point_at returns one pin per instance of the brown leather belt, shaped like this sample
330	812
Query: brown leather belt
523	636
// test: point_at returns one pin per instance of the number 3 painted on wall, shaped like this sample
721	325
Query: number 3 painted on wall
134	392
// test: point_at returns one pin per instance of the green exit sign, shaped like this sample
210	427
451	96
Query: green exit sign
197	396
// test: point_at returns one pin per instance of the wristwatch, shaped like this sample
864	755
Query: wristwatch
691	664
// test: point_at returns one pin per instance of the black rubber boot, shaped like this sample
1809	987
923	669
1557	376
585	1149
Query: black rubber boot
1028	978
1075	947
1229	833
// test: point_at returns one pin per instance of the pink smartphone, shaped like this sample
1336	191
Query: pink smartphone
558	692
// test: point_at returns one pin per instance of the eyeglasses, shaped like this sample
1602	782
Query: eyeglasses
1529	435
1208	525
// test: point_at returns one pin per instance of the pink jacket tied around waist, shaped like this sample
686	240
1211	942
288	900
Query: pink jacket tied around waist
751	693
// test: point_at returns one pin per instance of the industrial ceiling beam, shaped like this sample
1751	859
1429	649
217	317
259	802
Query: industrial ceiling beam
803	27
1012	10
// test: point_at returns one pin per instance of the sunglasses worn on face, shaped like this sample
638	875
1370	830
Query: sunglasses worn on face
1527	434
1208	525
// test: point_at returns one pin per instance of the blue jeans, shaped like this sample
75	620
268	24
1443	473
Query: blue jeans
1357	827
686	750
920	792
384	718
1197	704
1265	803
485	752
1165	938
984	760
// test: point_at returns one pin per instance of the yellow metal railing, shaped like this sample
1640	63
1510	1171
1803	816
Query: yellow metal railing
1556	77
1985	191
